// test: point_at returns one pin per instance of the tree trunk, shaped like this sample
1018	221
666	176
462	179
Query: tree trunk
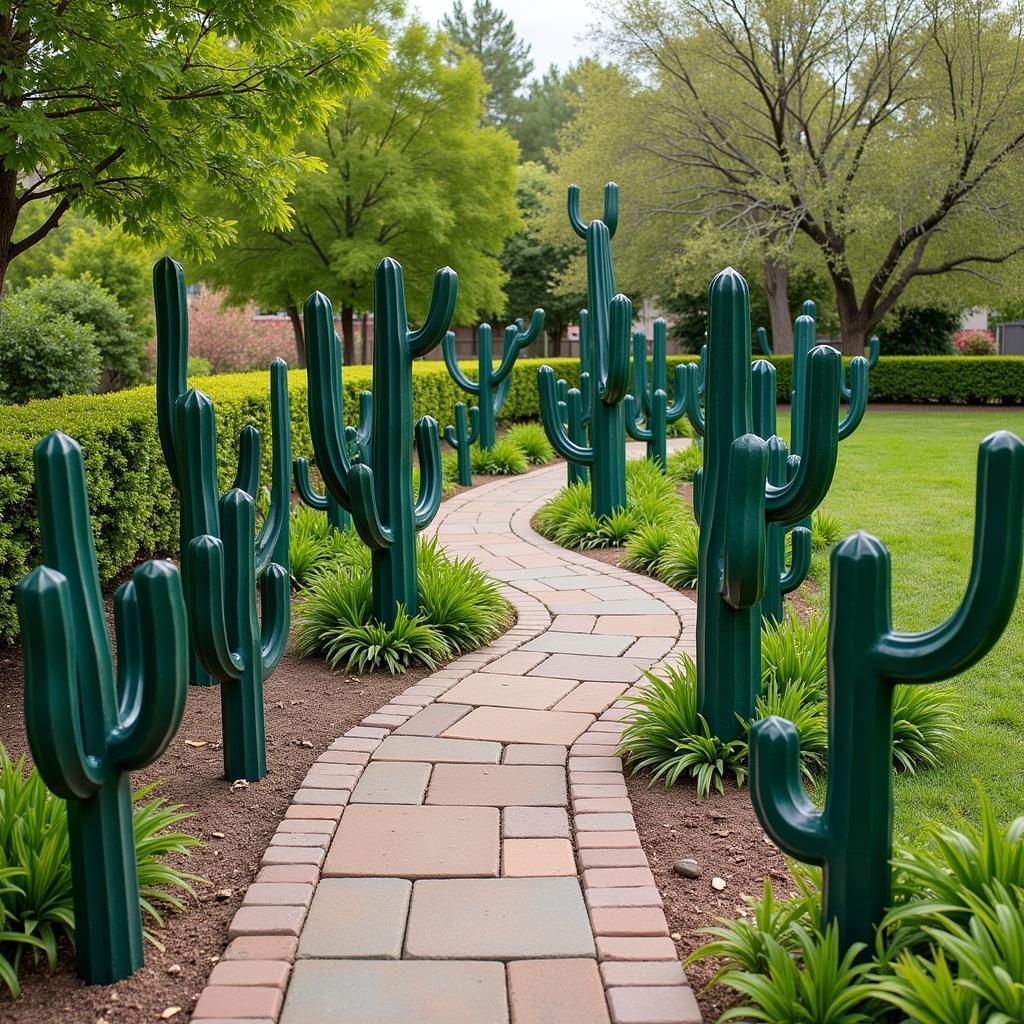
853	324
366	352
554	335
348	336
300	337
776	282
8	219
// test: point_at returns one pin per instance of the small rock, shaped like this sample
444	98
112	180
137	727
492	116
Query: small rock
687	868
675	936
718	883
304	743
217	835
198	744
225	894
174	969
239	784
171	1011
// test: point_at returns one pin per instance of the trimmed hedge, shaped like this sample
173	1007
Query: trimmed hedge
133	506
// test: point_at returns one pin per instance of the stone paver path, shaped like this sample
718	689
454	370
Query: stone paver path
468	854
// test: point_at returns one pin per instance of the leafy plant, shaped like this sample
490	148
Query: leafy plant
793	652
646	546
803	706
682	464
313	542
925	726
506	458
678	565
532	442
360	647
826	530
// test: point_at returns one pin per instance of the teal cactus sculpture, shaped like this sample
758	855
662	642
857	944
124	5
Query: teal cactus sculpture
851	838
764	346
491	386
461	437
88	728
694	389
377	491
235	645
608	325
648	411
574	409
737	502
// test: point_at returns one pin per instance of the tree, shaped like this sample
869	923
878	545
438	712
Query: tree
542	113
489	35
409	173
128	112
534	264
890	135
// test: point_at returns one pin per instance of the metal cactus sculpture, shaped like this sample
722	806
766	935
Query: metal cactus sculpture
648	412
738	501
88	726
378	491
491	386
608	326
461	437
198	512
851	838
574	408
694	389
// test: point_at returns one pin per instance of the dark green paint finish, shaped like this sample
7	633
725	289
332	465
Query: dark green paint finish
851	838
87	727
648	411
461	437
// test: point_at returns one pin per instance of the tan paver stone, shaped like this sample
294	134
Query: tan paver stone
554	642
605	791
433	720
292	855
640	608
638	625
220	1001
516	662
628	858
507	691
596	778
392	782
604	822
532	858
616	878
652	647
594	763
323	797
497	785
602	805
534	753
357	918
437	749
514	725
592	698
353	743
302	874
320	812
266	921
642	896
574	624
654	1005
415	842
324	827
300	839
642	972
590	668
607	840
535	823
627	921
498	918
610	947
278	894
396	992
262	947
264	973
556	992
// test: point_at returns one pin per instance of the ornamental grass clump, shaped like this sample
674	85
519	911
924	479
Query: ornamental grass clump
506	458
532	442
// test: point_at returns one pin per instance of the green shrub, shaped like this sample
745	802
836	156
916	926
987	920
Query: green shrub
681	465
796	654
198	367
313	542
532	442
646	546
679	563
925	726
918	331
826	530
506	458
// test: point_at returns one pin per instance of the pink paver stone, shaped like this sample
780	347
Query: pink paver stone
513	725
497	785
221	1001
507	691
534	858
535	823
562	991
653	1005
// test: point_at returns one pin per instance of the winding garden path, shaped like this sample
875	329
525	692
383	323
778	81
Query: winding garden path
468	854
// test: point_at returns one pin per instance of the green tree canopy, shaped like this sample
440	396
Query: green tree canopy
130	112
410	173
542	113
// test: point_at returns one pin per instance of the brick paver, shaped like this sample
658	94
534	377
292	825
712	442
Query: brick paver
467	854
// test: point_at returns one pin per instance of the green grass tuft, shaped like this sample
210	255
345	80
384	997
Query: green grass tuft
533	443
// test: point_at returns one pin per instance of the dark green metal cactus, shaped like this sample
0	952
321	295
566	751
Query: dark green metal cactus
491	386
764	346
694	388
608	326
461	436
648	412
238	648
574	411
738	501
851	838
378	491
87	728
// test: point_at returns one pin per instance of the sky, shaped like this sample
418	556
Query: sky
555	30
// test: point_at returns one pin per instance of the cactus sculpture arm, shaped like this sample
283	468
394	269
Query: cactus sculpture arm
471	387
692	389
651	403
85	731
856	394
272	540
568	449
764	346
461	437
611	209
852	837
428	451
439	314
871	360
360	435
304	486
516	339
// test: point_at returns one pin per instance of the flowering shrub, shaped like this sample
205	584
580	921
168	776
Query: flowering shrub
975	343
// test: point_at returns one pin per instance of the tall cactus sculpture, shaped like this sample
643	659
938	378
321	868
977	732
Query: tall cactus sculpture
378	491
851	838
574	408
648	412
461	437
87	728
491	386
694	389
608	326
738	501
198	513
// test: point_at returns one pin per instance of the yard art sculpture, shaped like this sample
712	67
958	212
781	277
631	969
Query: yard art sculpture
461	437
648	412
738	501
377	491
87	728
851	839
574	407
609	322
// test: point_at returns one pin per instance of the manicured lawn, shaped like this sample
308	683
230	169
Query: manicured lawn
909	479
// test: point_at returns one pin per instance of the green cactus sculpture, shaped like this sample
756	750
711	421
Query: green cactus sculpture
648	412
235	645
461	436
574	411
737	502
608	326
358	440
694	388
378	491
88	728
764	346
491	386
851	838
198	513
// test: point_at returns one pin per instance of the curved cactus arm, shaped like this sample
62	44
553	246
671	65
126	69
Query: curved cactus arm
691	397
611	209
552	421
702	370
764	346
613	377
272	539
799	496
800	562
53	717
472	387
873	348
304	486
152	677
374	533
365	429
777	791
586	397
635	420
698	492
428	451
275	615
857	395
742	580
171	352
640	392
247	475
439	315
674	411
207	601
516	339
974	627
